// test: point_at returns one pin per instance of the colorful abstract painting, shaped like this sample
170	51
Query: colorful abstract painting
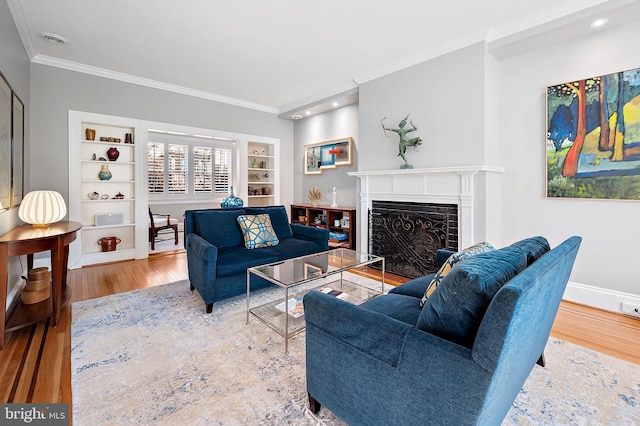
593	137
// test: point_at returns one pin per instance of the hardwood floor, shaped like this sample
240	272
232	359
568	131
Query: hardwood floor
35	365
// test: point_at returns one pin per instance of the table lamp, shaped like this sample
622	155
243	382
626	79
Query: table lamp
42	208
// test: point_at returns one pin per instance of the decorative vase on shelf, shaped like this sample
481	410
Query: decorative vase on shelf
113	154
231	201
254	164
104	173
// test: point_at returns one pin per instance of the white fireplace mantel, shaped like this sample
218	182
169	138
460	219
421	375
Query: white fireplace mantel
445	185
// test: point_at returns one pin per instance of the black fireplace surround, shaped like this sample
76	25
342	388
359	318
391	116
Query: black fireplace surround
407	235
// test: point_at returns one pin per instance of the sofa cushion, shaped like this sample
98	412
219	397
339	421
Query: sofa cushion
294	247
257	231
279	219
236	260
534	247
399	306
414	288
456	308
452	260
219	227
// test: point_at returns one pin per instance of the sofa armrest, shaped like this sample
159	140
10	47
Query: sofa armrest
363	366
377	335
201	248
310	233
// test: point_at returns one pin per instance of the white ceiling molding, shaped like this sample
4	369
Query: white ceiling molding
127	78
17	11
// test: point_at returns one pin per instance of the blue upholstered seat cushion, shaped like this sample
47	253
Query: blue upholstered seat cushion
219	227
534	247
236	260
257	231
414	288
399	306
279	219
293	247
456	308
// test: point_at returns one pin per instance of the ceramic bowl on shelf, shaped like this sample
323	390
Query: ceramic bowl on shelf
93	195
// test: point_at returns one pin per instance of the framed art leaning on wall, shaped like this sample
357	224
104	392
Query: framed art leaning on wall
327	155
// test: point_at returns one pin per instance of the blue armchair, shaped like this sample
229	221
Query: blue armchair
375	364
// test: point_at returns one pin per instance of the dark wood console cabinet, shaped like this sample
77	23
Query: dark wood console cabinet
308	214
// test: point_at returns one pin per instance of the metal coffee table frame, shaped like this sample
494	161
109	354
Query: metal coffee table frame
299	275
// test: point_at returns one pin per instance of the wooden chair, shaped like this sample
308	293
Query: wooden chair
161	222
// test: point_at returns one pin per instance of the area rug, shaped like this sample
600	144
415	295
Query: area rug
154	356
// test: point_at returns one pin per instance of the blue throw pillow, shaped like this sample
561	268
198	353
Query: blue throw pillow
456	308
475	249
279	219
257	231
534	247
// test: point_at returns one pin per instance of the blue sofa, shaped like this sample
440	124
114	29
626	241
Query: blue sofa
218	260
459	360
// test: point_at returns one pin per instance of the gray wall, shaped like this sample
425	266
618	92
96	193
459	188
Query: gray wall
472	108
14	64
55	91
445	97
608	257
338	123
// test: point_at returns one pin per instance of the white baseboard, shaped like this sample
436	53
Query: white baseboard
608	300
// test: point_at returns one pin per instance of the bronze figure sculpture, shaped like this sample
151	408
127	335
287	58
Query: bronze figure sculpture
404	142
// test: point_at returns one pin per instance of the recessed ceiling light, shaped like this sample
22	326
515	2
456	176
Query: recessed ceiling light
53	38
296	116
308	112
335	104
599	23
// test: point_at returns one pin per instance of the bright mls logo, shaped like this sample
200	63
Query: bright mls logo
39	414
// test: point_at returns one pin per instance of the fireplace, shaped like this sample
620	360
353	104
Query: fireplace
407	234
474	192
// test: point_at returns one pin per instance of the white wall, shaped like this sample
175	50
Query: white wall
335	124
609	254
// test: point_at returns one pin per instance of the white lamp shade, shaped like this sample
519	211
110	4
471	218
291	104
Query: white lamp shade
41	208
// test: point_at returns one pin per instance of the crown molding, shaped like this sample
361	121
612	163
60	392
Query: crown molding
128	78
17	12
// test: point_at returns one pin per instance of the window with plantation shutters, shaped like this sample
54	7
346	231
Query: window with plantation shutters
223	174
155	162
188	166
202	169
178	156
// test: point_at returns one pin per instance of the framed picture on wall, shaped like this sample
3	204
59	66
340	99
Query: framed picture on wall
5	144
17	137
327	155
593	137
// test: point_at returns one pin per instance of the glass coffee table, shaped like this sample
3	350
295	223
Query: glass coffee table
300	275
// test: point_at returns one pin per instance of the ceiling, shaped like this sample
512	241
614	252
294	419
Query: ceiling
285	57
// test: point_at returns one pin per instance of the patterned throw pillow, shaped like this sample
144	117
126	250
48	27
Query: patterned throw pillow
483	247
257	231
